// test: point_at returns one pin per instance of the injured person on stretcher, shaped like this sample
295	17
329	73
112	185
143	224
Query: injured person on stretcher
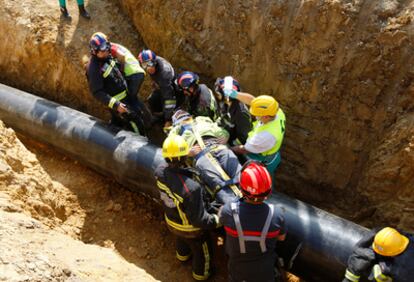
218	166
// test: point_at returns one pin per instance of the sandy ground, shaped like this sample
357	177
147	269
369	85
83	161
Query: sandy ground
111	216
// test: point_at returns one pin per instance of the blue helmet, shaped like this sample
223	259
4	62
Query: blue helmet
99	42
146	55
187	79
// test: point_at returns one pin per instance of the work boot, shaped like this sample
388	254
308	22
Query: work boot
65	12
83	12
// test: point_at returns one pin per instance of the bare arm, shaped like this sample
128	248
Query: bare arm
245	98
121	57
239	150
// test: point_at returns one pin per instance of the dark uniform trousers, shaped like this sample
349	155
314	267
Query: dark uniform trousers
199	246
134	83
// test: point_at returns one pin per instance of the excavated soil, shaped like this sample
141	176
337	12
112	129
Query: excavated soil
50	204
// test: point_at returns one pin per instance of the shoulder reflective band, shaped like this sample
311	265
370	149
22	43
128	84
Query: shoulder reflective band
109	69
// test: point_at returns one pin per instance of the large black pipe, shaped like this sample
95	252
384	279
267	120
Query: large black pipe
320	241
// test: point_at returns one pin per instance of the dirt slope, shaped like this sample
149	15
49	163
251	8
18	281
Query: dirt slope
49	204
342	71
32	252
41	221
42	52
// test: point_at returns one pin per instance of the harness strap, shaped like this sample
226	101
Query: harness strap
265	229
215	163
240	234
208	149
234	208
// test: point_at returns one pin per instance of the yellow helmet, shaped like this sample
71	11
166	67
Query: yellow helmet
389	242
264	105
174	146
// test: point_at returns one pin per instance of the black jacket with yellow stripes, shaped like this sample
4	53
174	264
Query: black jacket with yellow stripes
182	198
106	81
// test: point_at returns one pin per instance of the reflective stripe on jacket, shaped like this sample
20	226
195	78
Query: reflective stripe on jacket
182	200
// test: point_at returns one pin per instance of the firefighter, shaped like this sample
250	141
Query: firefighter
163	99
200	100
218	166
383	256
234	115
185	212
252	228
114	77
265	139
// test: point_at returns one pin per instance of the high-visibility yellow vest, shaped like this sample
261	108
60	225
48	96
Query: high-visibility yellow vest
132	65
275	127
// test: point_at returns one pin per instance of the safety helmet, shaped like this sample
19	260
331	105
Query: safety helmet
179	116
219	86
99	42
147	58
255	181
187	79
389	242
174	146
264	105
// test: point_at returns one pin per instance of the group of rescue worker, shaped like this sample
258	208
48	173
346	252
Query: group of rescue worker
219	165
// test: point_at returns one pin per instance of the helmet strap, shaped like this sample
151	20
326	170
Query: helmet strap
254	200
177	161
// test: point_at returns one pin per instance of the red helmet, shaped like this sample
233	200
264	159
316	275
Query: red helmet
255	181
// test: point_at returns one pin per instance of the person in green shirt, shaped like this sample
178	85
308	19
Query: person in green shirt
82	10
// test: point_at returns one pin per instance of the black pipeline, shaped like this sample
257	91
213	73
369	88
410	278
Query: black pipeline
318	243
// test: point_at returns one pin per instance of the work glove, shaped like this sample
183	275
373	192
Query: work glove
228	88
230	93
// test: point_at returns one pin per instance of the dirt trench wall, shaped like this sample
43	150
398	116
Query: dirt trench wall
42	52
342	71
